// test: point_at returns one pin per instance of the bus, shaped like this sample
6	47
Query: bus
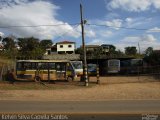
132	66
136	65
92	69
40	70
113	66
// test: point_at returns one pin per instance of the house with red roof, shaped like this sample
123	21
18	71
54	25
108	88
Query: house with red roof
63	47
66	47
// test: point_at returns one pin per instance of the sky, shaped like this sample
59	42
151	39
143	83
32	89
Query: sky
122	23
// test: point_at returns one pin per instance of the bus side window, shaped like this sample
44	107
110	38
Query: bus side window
19	66
58	67
29	66
52	66
42	66
33	66
39	65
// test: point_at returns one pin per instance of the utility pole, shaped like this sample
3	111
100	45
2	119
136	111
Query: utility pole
85	74
139	48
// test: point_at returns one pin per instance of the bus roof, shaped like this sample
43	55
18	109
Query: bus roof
42	60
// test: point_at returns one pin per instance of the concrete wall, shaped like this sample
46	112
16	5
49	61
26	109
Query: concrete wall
65	47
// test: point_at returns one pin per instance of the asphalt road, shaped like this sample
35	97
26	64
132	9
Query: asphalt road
90	109
115	106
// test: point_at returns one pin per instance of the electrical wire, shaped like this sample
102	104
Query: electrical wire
100	25
20	26
66	32
123	27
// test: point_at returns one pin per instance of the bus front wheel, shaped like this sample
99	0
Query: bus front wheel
69	79
37	79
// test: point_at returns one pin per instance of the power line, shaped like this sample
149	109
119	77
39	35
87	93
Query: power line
100	25
66	32
123	27
20	26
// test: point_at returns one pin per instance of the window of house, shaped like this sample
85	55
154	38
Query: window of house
61	46
69	46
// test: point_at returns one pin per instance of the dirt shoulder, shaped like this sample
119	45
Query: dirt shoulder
110	88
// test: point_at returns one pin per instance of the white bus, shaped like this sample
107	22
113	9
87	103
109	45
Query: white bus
113	66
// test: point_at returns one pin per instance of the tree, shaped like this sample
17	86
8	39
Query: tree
153	58
79	51
8	43
46	44
97	53
30	47
112	49
108	48
148	51
1	35
10	49
131	50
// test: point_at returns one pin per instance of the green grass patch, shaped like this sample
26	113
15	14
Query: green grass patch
5	85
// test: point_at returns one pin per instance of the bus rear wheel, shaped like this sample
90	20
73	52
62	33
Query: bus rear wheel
37	79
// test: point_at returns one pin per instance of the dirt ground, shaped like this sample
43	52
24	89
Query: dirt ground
110	88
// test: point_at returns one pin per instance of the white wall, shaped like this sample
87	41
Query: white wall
65	47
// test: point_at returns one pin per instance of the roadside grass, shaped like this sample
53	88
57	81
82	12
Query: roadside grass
64	85
5	85
4	60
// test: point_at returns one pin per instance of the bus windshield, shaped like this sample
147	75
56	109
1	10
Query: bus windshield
114	63
92	67
77	64
136	62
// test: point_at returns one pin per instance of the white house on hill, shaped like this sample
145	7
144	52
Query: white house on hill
66	47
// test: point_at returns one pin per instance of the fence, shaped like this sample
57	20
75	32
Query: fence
140	70
4	67
128	74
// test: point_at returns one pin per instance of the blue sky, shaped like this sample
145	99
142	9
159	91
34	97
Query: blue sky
119	22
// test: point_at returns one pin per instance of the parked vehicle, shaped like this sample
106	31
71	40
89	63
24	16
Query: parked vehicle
132	66
48	69
92	69
113	66
136	65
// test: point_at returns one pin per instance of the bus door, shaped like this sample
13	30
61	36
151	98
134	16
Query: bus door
70	72
61	70
46	71
24	70
41	71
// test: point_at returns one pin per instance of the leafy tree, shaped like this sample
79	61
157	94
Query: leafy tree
148	51
10	49
153	58
131	50
79	50
8	43
46	43
28	44
112	49
30	47
97	53
108	48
